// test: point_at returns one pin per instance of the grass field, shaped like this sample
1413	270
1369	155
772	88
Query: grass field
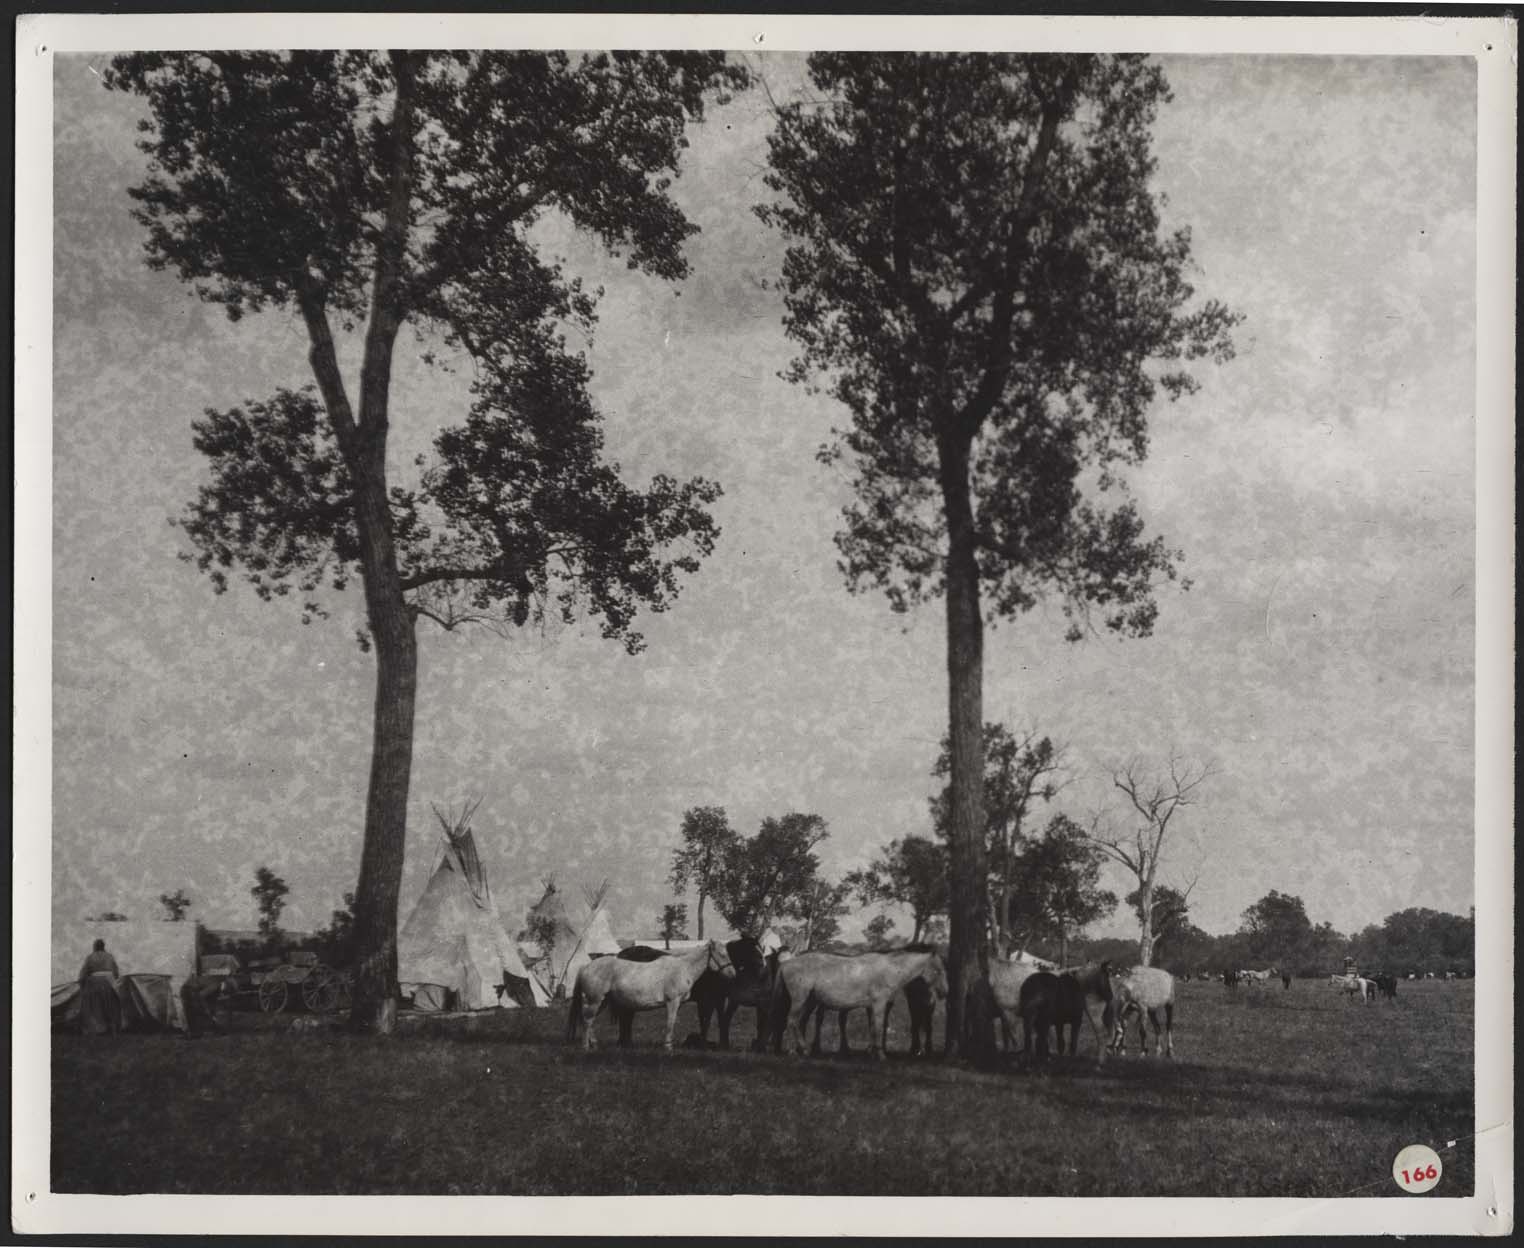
1273	1093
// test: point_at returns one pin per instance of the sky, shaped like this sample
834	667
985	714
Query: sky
1322	486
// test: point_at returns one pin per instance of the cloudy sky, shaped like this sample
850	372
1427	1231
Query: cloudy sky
1322	487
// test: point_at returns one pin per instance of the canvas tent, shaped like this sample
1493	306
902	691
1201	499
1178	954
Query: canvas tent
453	945
154	957
571	946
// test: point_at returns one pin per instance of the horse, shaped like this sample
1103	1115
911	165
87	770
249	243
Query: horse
721	996
1005	980
626	985
1353	984
1386	985
1048	1000
1230	979
1144	990
840	982
1258	977
921	997
1286	981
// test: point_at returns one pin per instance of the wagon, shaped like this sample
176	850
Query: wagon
301	978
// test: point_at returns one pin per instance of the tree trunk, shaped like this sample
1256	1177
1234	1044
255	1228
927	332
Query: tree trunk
701	915
391	764
968	879
1146	919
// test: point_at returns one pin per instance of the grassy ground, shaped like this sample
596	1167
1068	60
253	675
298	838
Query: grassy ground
1273	1093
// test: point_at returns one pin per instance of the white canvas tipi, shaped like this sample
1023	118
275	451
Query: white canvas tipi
454	938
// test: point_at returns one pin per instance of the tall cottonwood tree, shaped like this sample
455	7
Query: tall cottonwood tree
976	267
364	191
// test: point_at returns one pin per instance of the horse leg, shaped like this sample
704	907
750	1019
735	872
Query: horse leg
591	1006
878	1021
674	1003
626	1019
842	1047
1008	1027
727	1008
1169	1030
1100	1039
794	1036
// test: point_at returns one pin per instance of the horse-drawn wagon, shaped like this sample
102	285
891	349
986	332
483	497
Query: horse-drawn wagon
273	984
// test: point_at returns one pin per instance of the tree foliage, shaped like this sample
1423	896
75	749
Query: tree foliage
272	176
878	931
269	893
772	874
1418	941
1170	914
975	247
911	872
335	943
673	923
176	905
1056	890
818	907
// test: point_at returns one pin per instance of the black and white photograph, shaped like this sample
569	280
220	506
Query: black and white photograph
792	609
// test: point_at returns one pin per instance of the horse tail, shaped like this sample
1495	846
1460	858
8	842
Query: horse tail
575	1012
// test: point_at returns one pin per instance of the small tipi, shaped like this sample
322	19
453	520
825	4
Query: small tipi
564	949
455	939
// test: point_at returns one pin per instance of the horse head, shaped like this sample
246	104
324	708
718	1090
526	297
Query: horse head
935	976
719	960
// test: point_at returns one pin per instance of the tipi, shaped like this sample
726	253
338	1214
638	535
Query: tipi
455	940
598	936
562	948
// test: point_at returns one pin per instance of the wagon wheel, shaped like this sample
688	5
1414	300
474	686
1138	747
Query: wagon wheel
320	990
272	995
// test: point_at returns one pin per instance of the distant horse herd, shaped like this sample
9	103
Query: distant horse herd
786	990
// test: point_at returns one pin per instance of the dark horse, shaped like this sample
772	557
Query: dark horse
720	998
1386	985
1049	1000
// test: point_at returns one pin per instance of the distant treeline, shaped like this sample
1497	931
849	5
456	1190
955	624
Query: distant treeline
1416	941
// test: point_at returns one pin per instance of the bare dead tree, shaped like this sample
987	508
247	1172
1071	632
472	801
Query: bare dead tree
1157	798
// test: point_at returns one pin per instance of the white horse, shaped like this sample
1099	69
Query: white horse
629	986
839	982
1145	990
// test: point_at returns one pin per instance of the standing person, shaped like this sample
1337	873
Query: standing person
100	1009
